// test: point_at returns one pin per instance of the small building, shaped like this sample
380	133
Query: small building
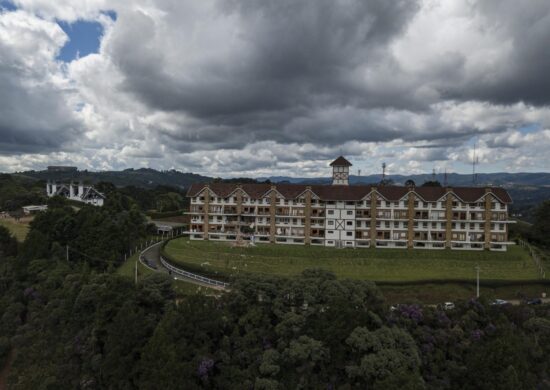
78	192
33	209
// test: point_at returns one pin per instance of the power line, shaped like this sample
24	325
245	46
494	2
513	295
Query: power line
88	256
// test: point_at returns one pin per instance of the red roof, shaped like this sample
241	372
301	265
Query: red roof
352	192
340	162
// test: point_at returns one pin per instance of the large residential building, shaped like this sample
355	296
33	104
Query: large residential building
78	192
356	216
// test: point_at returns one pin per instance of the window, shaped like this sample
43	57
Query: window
330	222
330	242
349	234
330	231
349	212
349	223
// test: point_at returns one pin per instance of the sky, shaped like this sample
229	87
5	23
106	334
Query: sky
259	88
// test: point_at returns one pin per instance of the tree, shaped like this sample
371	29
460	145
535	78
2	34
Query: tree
8	243
388	357
541	227
431	183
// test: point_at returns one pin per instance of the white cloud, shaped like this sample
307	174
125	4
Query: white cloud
246	88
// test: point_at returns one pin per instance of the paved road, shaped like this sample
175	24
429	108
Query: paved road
152	255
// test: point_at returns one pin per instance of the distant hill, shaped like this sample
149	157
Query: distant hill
527	189
142	177
453	179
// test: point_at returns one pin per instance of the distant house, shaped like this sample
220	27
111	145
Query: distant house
33	209
78	192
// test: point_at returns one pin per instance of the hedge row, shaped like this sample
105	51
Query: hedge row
165	214
482	282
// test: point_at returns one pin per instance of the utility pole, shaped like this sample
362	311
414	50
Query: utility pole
136	269
477	289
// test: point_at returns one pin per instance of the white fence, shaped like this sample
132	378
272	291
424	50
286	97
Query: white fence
535	256
190	275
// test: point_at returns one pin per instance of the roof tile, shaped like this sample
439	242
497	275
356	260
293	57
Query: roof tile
352	192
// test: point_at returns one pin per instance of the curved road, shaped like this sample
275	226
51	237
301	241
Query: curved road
152	256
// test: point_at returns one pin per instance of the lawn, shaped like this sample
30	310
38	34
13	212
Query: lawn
128	268
181	287
372	264
18	229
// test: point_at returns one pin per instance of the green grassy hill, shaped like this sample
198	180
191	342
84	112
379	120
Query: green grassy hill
18	229
372	264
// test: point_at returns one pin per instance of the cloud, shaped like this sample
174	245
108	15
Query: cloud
35	111
247	87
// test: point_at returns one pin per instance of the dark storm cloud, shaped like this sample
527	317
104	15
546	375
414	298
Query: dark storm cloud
522	74
313	71
293	54
34	116
257	83
22	125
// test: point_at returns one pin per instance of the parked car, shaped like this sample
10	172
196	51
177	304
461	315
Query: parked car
448	306
535	301
500	302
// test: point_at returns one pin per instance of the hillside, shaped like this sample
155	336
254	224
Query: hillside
453	179
527	189
142	177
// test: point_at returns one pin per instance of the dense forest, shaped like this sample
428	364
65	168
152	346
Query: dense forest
17	191
77	325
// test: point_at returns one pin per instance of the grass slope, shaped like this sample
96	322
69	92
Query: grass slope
181	287
19	230
373	264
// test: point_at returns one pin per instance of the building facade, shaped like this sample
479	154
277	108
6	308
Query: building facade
355	216
78	192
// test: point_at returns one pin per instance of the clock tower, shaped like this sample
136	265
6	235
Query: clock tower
340	171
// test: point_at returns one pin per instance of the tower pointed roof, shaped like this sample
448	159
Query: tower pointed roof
340	162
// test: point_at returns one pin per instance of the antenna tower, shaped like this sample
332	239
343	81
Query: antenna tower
445	178
474	163
383	171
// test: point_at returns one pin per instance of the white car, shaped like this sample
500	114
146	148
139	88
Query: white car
499	302
448	306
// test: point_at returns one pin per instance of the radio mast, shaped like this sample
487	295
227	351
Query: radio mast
475	161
